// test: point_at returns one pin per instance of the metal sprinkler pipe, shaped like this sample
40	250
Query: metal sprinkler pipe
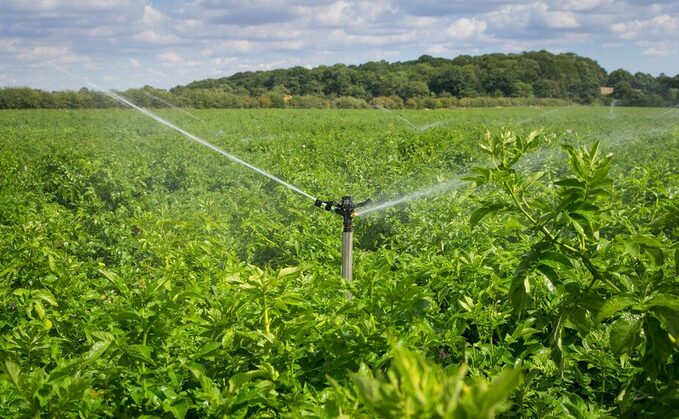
346	209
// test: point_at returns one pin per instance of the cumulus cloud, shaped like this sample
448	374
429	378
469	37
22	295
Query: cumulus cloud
533	16
663	26
585	5
660	51
465	28
450	7
170	57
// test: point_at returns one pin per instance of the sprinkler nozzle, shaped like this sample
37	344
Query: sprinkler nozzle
344	208
326	205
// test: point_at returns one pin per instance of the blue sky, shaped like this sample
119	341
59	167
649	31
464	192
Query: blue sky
130	43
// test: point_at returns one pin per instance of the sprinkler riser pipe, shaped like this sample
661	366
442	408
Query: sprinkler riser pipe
345	209
347	254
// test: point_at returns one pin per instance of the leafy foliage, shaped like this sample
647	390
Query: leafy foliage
605	273
142	275
414	387
536	78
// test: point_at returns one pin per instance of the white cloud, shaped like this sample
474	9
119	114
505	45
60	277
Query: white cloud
663	26
341	37
170	57
71	5
237	45
464	28
532	15
153	37
584	5
334	14
437	49
658	51
152	16
561	20
58	54
346	14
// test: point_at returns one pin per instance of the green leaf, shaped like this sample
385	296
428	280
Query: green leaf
39	309
556	342
656	254
13	371
479	213
613	305
578	227
658	347
631	247
556	257
177	407
50	262
625	334
239	379
518	292
501	387
97	350
579	318
47	296
549	272
207	348
646	241
665	300
291	270
570	183
141	352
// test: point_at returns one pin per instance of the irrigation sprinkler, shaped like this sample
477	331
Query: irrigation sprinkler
345	208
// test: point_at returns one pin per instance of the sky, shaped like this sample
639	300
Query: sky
120	44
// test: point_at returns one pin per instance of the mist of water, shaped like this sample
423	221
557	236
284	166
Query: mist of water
532	161
410	124
611	112
170	125
454	183
669	111
450	185
551	111
413	126
166	103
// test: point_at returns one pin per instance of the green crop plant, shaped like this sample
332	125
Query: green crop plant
588	269
142	275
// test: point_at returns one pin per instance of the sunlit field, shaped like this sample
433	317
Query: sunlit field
516	260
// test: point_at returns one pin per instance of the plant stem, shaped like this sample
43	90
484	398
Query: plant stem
597	276
267	322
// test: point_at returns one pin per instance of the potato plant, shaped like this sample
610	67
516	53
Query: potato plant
143	275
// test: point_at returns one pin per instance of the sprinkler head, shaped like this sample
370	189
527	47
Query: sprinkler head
344	208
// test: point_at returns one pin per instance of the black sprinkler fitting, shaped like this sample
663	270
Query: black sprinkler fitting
327	205
345	208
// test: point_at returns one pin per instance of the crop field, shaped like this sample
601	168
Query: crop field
520	262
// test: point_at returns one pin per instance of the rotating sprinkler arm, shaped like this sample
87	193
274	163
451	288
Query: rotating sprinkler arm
345	208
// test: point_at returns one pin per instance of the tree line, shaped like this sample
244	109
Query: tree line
529	78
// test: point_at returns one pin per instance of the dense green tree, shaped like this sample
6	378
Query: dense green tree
451	79
619	76
489	79
522	89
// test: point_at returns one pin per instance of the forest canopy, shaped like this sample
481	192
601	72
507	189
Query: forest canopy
529	78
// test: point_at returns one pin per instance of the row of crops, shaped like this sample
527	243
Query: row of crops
143	275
